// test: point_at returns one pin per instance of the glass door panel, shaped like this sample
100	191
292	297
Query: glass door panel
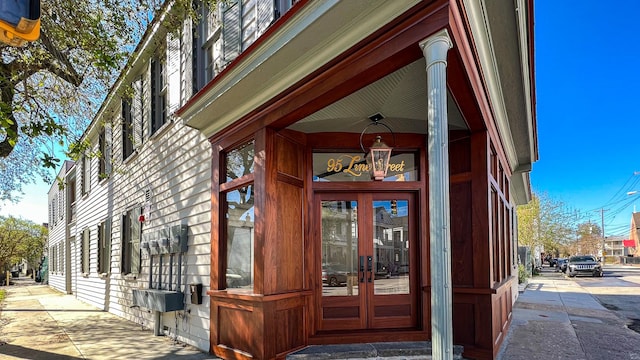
391	247
368	256
339	248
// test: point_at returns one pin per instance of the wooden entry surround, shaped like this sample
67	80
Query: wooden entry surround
281	313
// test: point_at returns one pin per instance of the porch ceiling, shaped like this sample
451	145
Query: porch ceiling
400	96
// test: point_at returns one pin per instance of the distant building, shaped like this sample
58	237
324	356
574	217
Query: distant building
613	246
632	246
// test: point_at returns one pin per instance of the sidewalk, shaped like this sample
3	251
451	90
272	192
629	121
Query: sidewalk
37	322
555	318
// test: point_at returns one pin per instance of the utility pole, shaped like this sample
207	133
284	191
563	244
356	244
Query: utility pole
602	223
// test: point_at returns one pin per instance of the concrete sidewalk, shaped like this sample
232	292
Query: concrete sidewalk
555	318
37	322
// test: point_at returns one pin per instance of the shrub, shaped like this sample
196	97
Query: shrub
522	273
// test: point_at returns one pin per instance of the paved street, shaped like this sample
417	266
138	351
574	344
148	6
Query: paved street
558	317
618	291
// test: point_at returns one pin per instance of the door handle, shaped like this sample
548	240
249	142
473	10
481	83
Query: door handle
362	268
370	267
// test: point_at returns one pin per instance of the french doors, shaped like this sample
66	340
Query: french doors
369	260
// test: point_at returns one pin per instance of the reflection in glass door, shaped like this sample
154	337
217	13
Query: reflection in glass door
339	248
391	247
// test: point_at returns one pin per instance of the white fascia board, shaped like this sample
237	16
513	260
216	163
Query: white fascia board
523	37
312	37
480	29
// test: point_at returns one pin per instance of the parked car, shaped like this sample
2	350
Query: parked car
334	275
382	271
561	264
584	265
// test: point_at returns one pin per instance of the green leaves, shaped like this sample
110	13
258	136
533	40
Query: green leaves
545	222
20	239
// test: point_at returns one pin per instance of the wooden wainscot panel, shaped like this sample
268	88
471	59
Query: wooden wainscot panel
502	310
463	257
472	319
239	328
257	327
481	318
289	240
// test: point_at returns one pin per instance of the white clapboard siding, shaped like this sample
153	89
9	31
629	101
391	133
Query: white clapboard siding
57	205
169	175
92	209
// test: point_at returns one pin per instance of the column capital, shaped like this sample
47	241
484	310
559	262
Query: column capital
435	47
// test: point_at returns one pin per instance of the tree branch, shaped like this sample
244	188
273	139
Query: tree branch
69	73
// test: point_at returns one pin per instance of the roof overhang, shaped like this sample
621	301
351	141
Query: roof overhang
503	35
305	42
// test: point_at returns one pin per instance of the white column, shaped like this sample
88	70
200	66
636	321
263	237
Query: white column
435	50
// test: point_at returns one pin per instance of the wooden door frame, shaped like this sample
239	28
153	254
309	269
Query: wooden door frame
405	142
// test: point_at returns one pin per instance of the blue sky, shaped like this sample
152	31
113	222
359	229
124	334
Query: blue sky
587	78
587	57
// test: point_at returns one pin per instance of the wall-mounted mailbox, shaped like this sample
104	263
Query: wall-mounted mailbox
159	300
163	236
196	293
179	238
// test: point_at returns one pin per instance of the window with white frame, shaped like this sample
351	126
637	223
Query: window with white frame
206	51
158	92
85	251
130	245
104	247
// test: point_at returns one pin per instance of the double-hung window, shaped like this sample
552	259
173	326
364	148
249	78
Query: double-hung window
206	51
158	92
237	195
130	253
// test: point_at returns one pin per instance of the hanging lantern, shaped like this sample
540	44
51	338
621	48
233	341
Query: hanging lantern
379	153
378	159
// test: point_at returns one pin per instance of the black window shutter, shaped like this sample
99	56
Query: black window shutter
124	228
